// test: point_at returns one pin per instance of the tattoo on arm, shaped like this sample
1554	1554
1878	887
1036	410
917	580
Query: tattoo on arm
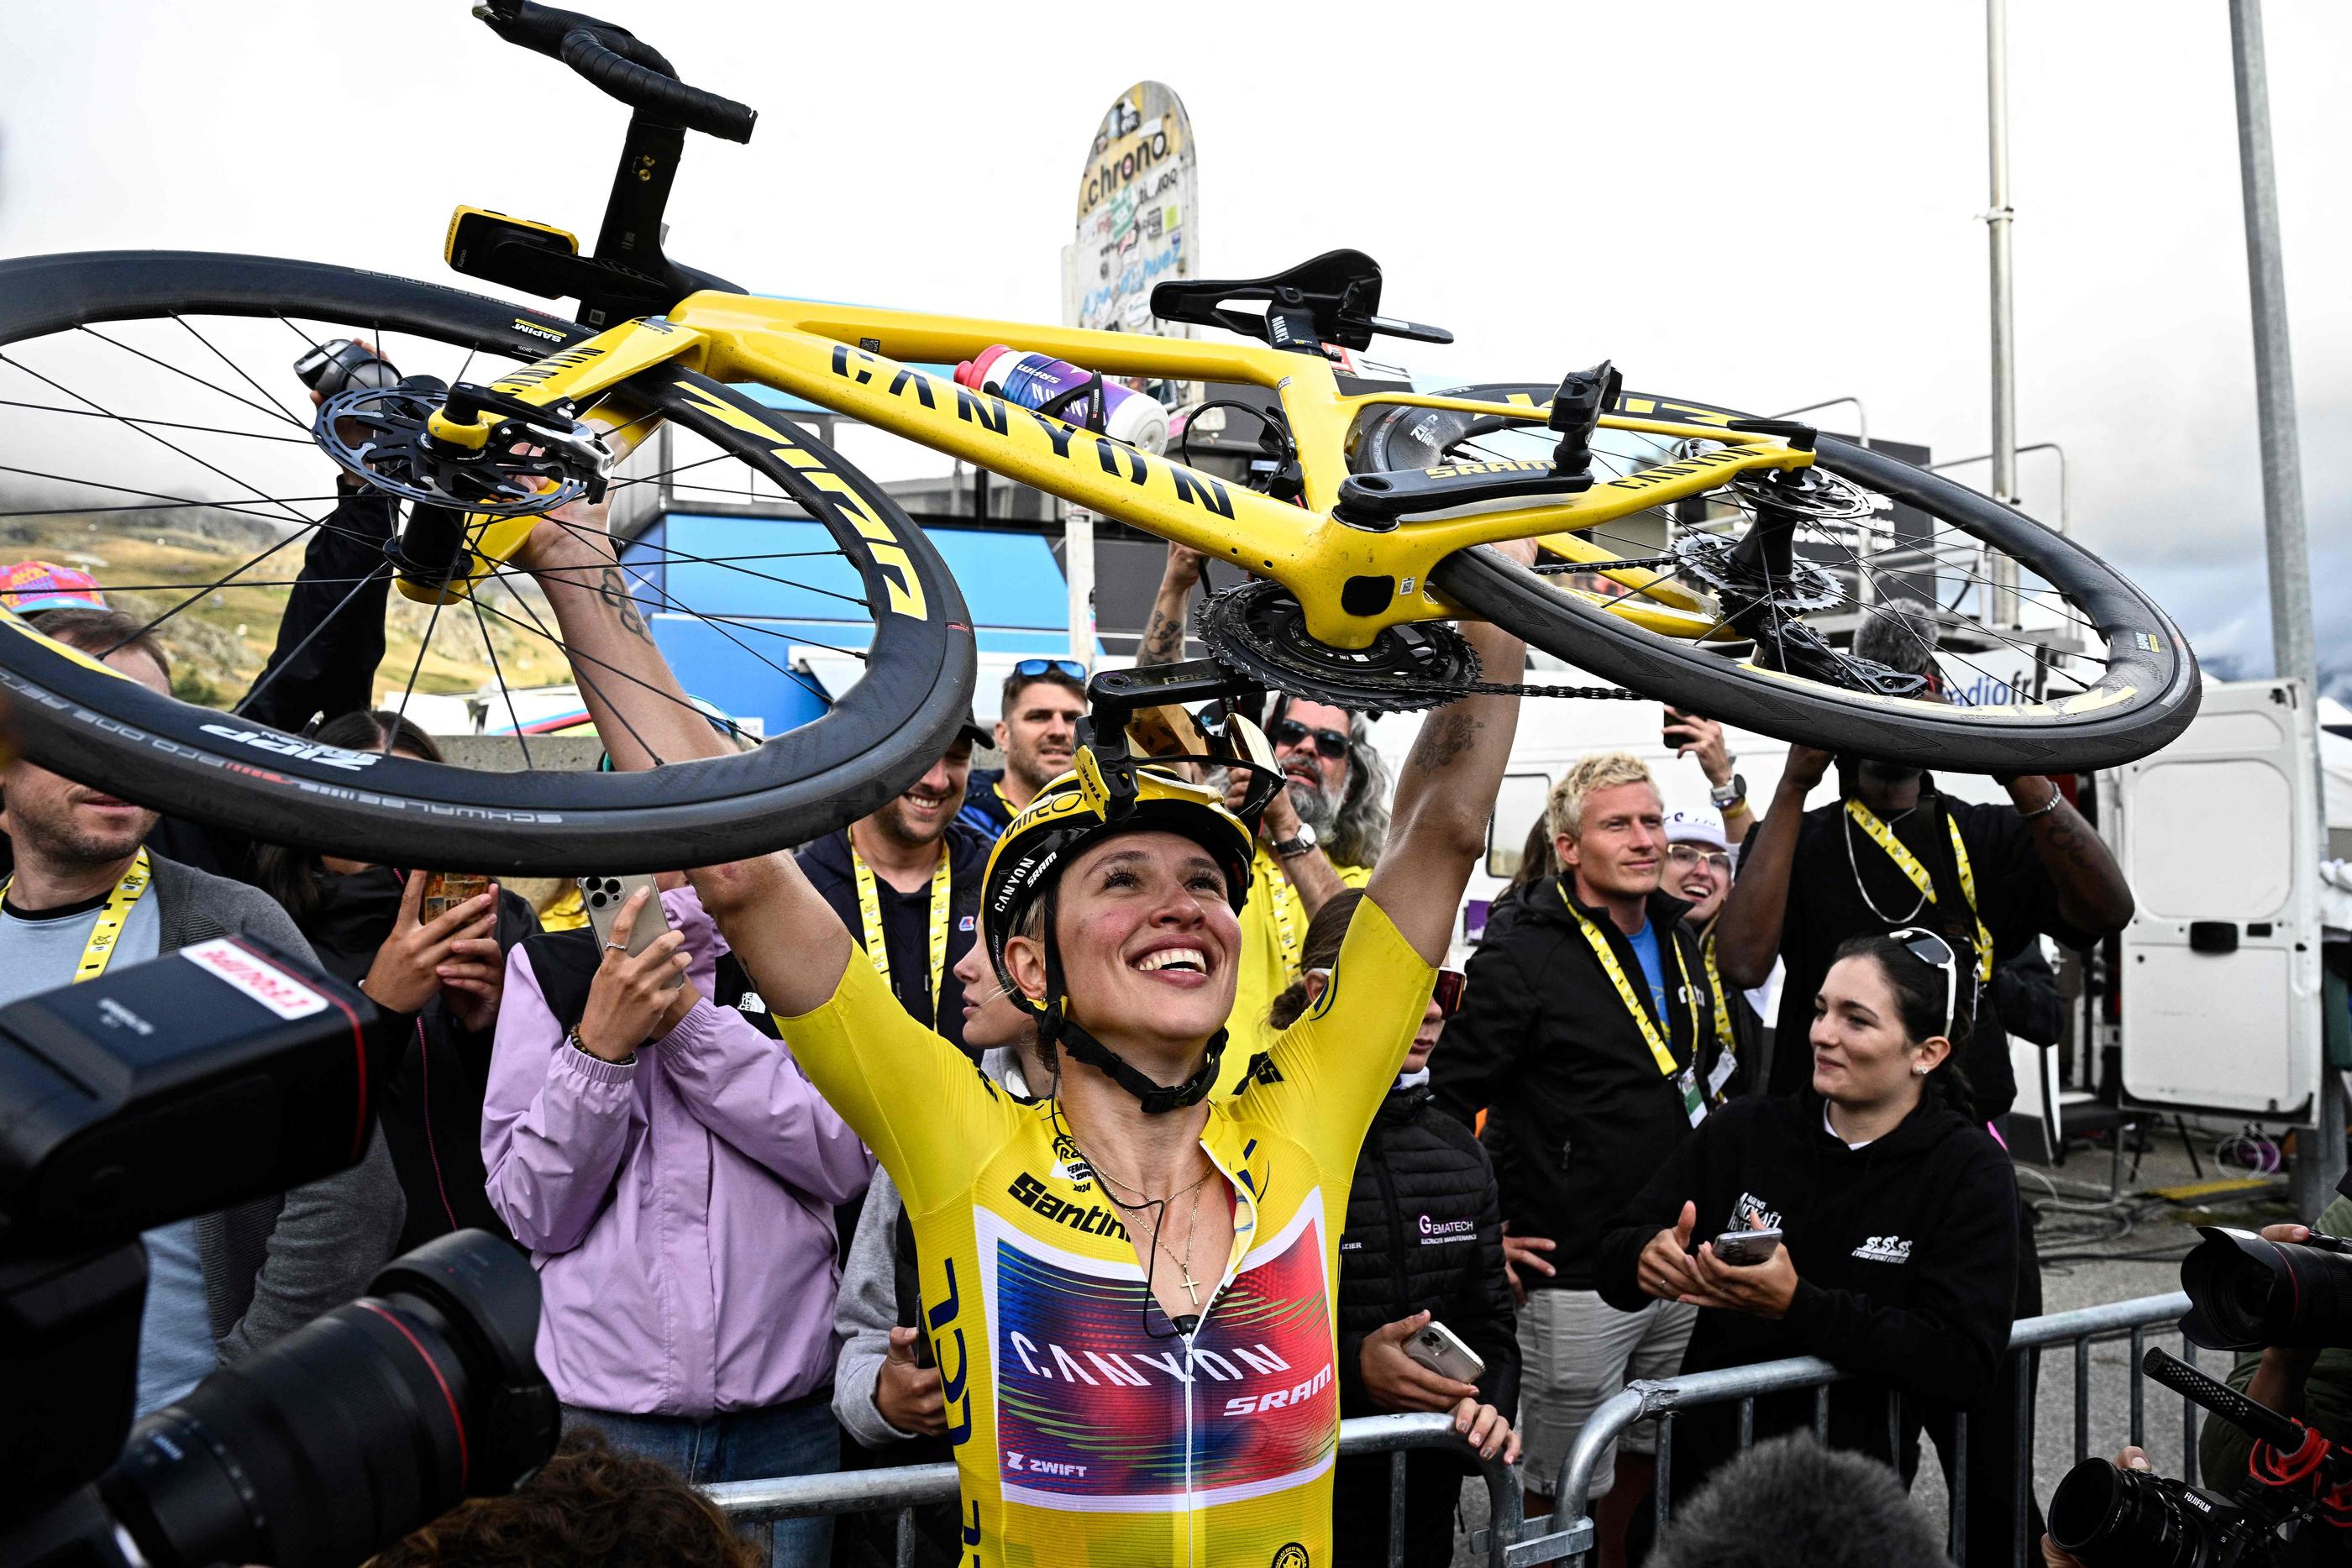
617	594
1163	639
1443	740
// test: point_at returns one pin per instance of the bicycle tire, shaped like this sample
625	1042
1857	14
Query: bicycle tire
115	734
2150	664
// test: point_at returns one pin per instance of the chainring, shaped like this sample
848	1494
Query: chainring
1257	630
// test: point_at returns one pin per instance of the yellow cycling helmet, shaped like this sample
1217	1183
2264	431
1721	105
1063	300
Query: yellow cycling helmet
1077	811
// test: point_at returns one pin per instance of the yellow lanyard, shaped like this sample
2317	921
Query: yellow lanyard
99	951
1282	899
869	912
1724	1038
1900	854
1616	973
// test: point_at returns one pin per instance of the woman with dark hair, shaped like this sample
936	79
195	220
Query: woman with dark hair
1423	1242
1898	1253
440	979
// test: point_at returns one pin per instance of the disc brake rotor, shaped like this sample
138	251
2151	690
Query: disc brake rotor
1259	631
379	435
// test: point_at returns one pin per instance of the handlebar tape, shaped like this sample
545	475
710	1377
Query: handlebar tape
618	63
642	87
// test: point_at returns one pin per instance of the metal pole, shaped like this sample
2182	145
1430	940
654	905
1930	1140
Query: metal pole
2293	654
2002	607
1078	568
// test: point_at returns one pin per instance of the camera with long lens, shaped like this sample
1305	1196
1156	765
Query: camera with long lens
225	1072
2246	1292
2112	1518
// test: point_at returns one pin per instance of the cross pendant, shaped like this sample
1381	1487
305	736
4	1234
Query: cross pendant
1192	1290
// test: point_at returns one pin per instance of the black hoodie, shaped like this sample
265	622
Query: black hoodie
1906	1251
1577	1114
906	920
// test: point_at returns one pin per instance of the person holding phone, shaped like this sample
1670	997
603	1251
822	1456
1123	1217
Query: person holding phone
1702	740
1425	1317
657	1146
1897	1258
437	976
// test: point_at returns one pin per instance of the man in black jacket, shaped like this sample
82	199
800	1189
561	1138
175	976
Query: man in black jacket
905	883
1588	1037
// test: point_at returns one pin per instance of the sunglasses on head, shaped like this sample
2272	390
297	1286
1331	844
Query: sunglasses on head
1030	669
1328	743
1934	951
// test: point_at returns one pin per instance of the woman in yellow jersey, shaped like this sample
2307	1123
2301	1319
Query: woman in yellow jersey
1128	1285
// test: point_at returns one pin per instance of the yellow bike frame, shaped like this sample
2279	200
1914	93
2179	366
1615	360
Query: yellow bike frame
856	363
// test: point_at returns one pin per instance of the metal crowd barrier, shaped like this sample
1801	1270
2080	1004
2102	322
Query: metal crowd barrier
1510	1540
1544	1541
765	1502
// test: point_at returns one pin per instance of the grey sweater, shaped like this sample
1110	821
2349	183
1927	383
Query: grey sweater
867	1308
273	1264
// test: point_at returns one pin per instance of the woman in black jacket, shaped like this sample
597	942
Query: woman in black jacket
1423	1241
1898	1213
436	984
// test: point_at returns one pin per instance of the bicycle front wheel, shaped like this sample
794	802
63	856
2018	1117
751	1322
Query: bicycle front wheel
2047	659
150	429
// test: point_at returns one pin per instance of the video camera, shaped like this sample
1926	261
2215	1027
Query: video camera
2245	1292
187	1084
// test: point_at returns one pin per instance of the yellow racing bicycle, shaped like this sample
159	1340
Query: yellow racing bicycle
1695	556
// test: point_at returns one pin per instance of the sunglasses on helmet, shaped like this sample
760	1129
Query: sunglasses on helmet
1328	743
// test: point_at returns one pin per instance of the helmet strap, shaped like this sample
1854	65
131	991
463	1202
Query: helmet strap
1056	1028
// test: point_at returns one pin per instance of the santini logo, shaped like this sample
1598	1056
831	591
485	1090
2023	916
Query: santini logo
1884	1249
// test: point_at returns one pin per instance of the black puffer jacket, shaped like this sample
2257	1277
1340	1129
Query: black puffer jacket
1425	1231
1577	1112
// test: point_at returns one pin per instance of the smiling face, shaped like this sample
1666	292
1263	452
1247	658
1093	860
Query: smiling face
1621	848
1863	1056
1039	733
1148	944
70	825
921	814
1700	874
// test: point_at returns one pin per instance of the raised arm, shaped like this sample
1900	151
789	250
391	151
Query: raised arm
1748	931
2093	897
1163	642
786	933
1446	793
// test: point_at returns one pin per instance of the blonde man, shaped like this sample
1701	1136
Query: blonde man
1588	1037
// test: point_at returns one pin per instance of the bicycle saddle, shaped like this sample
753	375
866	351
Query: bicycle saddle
1334	299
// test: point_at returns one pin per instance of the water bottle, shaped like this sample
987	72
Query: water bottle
1034	379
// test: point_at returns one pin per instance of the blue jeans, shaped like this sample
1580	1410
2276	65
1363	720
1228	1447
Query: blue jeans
797	1438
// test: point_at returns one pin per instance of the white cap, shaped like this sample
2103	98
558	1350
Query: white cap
1700	825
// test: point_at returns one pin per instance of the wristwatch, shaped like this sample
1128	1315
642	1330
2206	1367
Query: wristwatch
1303	844
1726	796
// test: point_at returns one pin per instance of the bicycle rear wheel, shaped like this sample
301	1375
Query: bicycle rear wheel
147	415
2050	661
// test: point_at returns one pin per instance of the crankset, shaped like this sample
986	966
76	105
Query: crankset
1258	631
466	448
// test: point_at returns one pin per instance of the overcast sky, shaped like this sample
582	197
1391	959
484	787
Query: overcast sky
1758	205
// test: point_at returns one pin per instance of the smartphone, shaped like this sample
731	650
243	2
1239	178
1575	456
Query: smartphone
603	896
1675	729
1437	1348
1747	1247
445	890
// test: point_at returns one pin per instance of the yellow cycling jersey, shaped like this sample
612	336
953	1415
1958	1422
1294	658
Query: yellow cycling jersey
1087	1431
